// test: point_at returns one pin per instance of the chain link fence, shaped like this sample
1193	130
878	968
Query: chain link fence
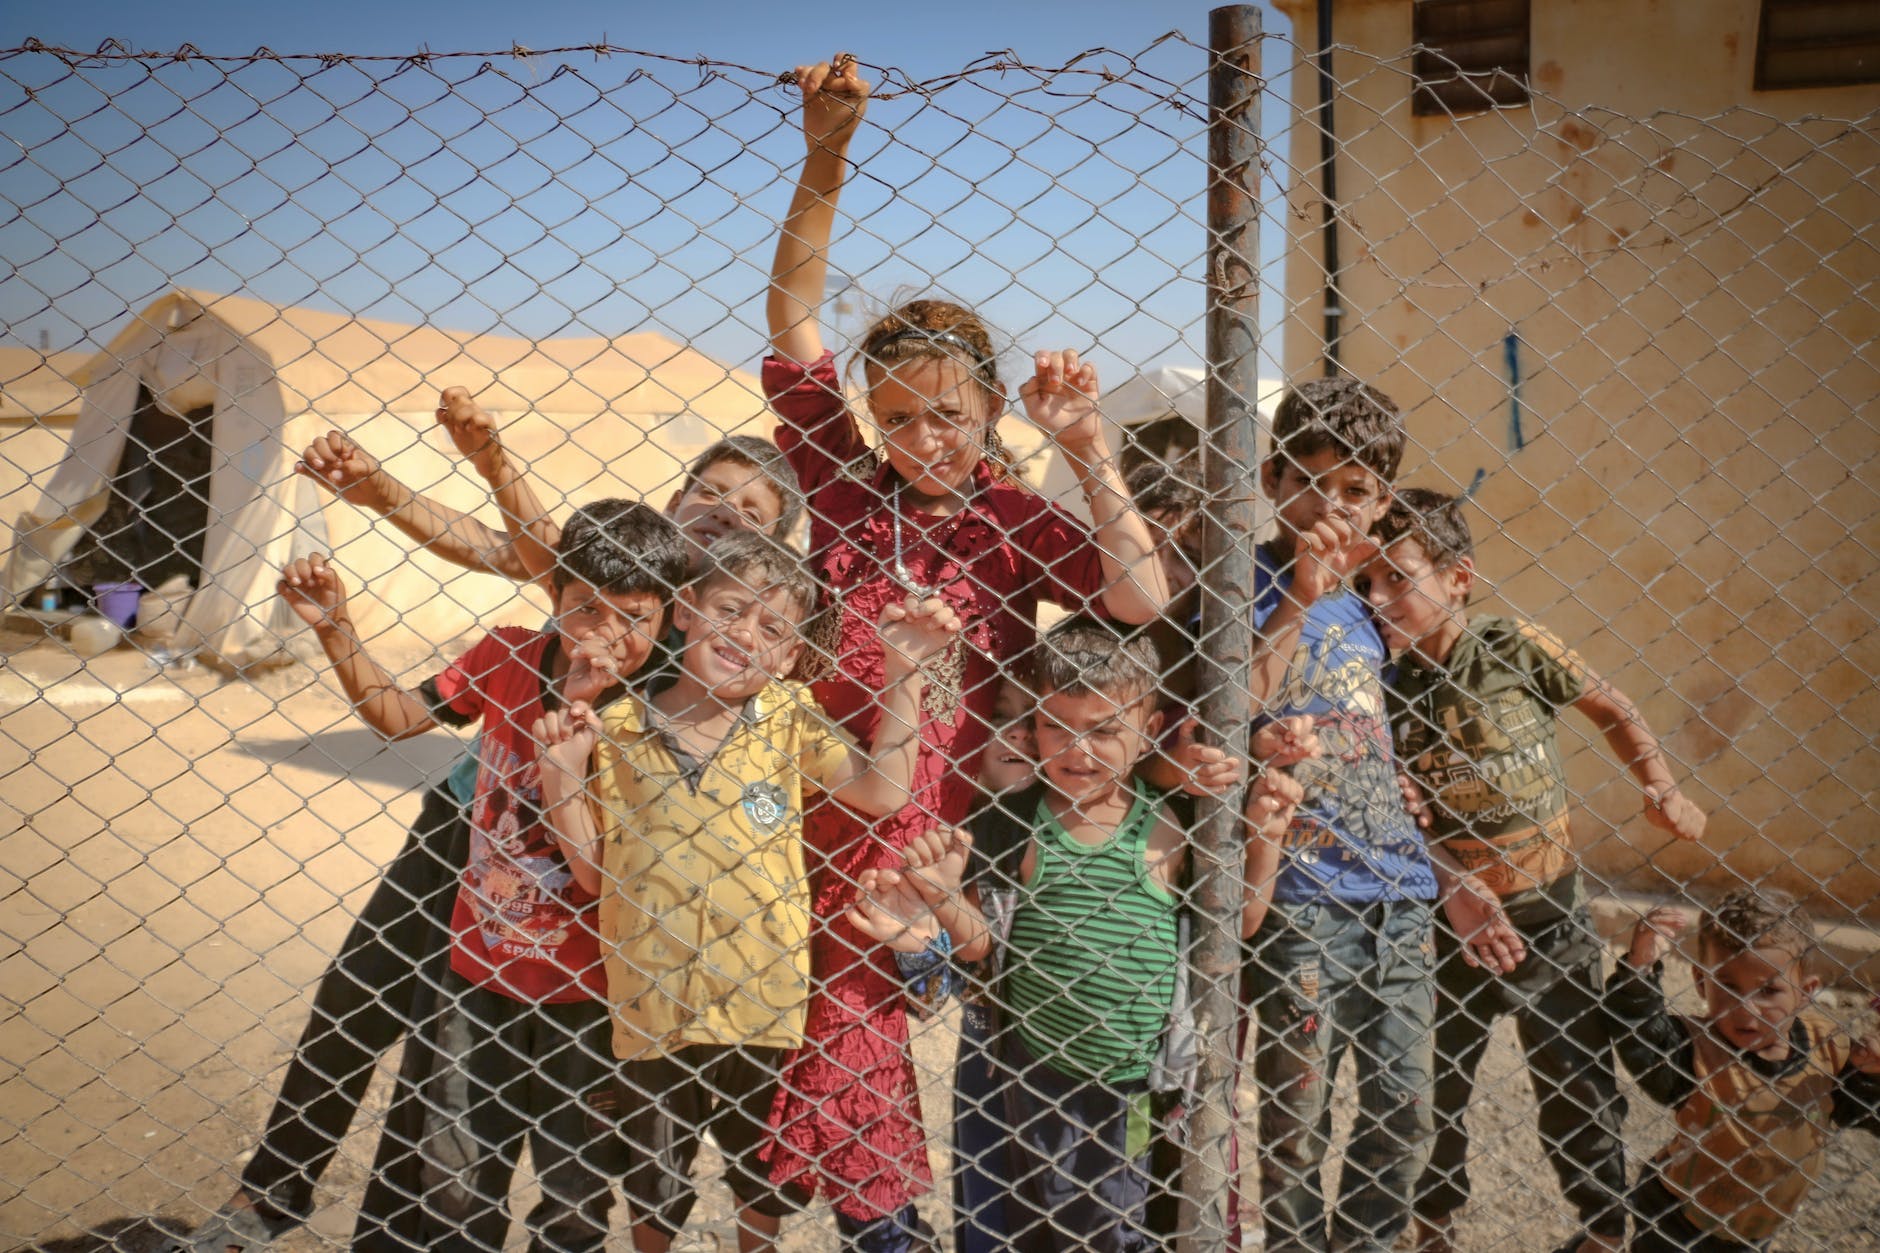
257	949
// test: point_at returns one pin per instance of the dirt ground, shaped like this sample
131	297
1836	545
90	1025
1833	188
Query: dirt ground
180	855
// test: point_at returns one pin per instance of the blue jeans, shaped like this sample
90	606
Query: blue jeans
1325	979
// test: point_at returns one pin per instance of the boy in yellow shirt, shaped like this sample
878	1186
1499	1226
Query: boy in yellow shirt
689	829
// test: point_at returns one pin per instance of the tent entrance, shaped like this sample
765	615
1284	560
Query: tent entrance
156	515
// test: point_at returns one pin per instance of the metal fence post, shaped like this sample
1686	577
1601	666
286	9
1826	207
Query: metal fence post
1228	457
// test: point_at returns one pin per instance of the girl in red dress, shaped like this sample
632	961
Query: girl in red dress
931	511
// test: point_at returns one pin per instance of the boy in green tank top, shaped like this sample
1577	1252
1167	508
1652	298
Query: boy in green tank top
1474	706
1080	894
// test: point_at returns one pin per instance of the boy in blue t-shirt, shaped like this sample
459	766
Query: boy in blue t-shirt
1342	959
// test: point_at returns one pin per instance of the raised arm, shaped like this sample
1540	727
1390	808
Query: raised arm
936	864
534	538
1652	1043
1061	399
834	99
1632	741
882	780
567	741
314	592
1323	558
337	463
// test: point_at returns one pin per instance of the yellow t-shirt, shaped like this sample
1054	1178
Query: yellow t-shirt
705	908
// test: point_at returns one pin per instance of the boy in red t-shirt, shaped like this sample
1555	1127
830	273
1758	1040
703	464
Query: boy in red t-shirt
525	1024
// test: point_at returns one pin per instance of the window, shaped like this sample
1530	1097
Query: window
1472	55
1817	43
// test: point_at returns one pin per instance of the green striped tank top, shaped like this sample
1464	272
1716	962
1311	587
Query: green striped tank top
1091	962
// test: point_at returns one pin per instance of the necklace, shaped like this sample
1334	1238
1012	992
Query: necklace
945	674
901	573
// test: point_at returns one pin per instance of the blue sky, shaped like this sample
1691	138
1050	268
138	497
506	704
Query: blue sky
556	195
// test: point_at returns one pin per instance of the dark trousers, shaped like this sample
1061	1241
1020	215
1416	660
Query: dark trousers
501	1073
981	1139
670	1100
1554	996
367	999
1078	1185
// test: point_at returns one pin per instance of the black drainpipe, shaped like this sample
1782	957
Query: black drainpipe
1328	188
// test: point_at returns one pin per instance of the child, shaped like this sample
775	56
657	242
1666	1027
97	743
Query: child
1474	704
376	988
697	857
1080	881
1342	957
1169	499
522	1033
931	514
1757	1082
739	483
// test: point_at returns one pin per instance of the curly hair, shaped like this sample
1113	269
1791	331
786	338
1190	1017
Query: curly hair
1084	655
1344	415
1752	918
1433	519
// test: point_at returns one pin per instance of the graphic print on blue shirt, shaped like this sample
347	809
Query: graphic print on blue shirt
1351	839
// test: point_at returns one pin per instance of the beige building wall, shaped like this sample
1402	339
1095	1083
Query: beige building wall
1678	472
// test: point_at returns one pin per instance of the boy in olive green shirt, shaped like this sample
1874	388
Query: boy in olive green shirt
1473	705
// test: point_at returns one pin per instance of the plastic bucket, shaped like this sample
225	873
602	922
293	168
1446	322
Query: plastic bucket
118	601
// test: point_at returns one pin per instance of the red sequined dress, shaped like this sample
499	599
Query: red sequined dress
848	1114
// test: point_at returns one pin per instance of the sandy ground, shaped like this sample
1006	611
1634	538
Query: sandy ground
180	856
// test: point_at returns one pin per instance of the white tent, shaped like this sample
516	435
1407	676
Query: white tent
259	514
594	416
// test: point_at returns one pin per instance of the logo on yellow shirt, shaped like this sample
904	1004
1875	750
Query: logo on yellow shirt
766	805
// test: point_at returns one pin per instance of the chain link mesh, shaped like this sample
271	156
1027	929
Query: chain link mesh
1640	345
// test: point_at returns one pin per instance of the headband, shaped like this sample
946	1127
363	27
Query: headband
940	339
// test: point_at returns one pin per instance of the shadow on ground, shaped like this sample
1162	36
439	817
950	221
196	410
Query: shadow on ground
121	1235
359	754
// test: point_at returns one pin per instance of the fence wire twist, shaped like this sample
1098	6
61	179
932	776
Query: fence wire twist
351	372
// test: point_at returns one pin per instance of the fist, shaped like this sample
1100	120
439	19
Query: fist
1286	741
472	430
1327	555
313	591
1208	771
936	861
1273	797
1060	398
336	463
913	630
567	738
835	96
1654	935
1669	809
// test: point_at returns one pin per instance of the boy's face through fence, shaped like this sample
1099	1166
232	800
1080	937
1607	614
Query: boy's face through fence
620	626
1418	603
1010	761
931	412
1089	742
1753	996
1177	539
726	496
1323	486
738	641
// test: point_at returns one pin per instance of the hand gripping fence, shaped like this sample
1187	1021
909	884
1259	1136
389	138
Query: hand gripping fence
1301	677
